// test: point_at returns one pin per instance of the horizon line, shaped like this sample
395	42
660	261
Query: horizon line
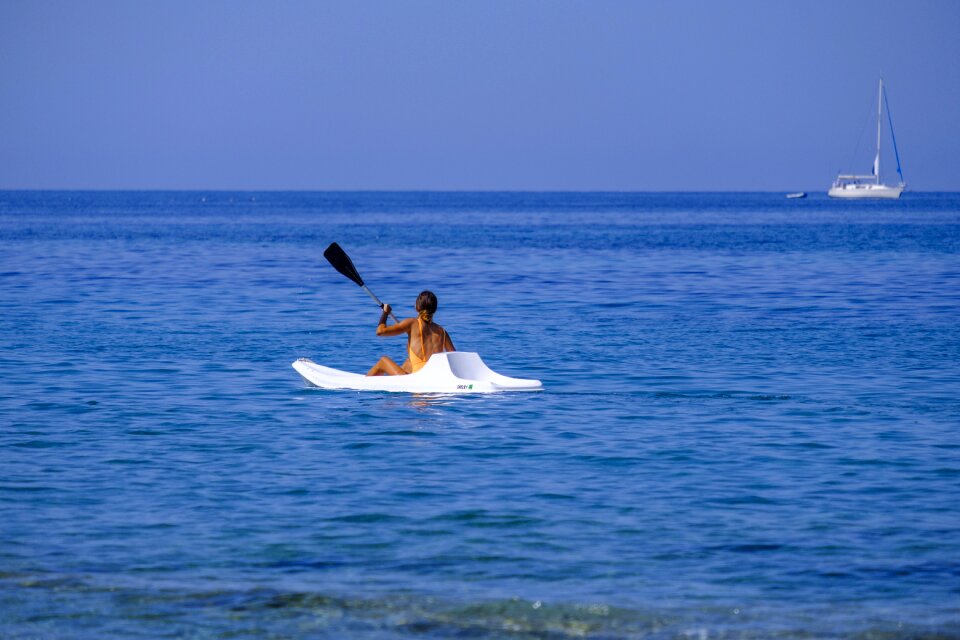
445	191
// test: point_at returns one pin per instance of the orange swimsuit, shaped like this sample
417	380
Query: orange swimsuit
416	362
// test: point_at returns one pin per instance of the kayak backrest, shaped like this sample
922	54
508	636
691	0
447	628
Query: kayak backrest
465	365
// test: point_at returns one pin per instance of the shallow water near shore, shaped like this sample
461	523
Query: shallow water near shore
748	428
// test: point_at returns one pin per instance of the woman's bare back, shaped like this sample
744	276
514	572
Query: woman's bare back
435	340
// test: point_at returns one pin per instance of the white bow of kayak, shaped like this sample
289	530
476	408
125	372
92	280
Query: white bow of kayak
451	372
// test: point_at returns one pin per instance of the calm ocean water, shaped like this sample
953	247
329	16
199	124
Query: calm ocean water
749	427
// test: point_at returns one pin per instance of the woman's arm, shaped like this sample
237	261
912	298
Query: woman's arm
448	343
395	329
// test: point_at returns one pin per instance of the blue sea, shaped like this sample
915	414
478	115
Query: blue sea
749	428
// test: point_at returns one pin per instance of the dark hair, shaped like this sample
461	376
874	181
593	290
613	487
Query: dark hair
426	301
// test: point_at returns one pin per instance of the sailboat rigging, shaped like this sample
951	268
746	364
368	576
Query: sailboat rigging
856	186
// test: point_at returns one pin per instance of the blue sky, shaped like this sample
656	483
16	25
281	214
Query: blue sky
512	95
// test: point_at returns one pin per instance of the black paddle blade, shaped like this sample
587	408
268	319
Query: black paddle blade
342	262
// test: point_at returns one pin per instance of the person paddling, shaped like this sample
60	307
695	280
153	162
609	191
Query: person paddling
424	338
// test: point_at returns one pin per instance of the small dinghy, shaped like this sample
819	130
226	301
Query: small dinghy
451	372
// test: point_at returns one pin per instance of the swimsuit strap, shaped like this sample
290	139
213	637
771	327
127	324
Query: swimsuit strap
423	347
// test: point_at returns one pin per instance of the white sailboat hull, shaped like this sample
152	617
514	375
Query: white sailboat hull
866	191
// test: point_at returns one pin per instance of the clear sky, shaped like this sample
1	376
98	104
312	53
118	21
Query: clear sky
450	95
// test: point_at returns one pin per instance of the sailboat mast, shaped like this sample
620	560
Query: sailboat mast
876	161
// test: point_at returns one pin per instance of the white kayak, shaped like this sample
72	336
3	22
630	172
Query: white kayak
451	372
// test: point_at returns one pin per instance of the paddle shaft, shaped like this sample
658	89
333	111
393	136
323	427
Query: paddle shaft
377	300
337	257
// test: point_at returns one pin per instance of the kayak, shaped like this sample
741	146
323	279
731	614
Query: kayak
450	372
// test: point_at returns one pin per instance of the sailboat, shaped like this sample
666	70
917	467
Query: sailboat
851	186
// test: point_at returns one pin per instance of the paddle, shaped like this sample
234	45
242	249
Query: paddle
342	263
